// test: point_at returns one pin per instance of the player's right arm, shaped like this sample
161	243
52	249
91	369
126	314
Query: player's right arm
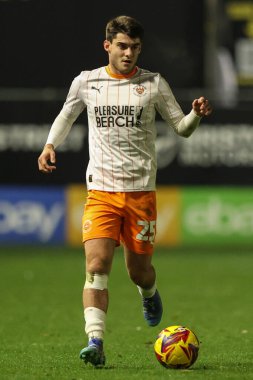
57	134
61	127
47	159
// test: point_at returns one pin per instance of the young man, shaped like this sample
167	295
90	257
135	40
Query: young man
121	100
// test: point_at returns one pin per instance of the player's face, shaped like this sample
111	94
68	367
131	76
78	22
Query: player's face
123	53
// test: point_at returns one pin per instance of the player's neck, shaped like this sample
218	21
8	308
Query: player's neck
120	76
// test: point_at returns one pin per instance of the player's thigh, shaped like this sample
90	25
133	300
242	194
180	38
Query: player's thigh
99	255
100	218
139	229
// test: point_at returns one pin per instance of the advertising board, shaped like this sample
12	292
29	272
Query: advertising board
32	215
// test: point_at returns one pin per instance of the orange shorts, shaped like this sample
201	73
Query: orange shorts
129	217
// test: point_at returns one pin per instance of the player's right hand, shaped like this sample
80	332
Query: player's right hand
46	160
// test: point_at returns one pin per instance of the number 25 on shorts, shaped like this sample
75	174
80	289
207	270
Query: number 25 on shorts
148	231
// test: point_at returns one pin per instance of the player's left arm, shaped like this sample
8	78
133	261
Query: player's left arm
170	110
202	107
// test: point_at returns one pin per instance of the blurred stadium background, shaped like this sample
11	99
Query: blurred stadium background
202	47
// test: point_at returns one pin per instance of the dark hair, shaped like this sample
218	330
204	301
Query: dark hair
126	25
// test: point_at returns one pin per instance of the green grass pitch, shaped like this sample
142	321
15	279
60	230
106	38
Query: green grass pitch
41	316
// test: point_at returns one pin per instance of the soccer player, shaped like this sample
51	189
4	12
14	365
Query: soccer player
121	100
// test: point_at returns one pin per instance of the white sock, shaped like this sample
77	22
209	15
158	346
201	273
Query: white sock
147	293
94	322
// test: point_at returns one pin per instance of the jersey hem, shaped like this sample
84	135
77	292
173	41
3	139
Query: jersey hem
121	190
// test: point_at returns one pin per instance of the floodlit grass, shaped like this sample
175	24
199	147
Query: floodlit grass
41	316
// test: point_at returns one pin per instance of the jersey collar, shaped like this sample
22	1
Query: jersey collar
121	76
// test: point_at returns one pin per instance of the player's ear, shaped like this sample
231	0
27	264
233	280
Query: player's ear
140	48
107	45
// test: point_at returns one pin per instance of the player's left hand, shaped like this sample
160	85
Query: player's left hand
201	107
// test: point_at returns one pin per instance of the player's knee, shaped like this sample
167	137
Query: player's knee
142	276
98	265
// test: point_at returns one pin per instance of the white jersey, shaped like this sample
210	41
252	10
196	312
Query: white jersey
121	116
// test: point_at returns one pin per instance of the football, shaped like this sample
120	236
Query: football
176	347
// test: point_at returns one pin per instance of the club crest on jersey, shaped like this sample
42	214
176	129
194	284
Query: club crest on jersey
139	90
